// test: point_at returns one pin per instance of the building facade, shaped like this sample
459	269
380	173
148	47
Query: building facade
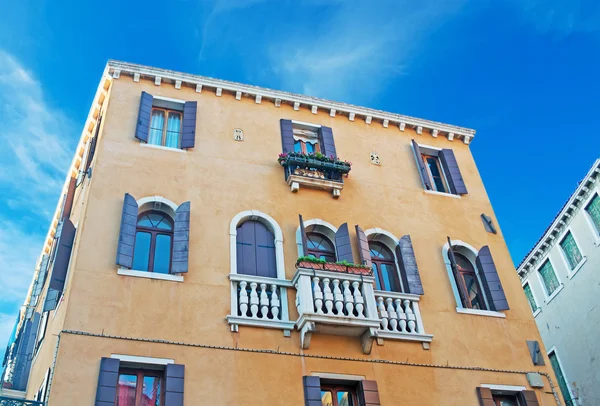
560	279
224	244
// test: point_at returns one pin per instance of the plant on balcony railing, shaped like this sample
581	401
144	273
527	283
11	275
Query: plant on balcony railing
340	266
315	165
4	401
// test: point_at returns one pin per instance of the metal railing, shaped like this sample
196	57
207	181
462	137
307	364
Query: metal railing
4	401
314	168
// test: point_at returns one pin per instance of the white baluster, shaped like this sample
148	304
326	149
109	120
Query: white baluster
348	298
338	297
253	300
243	299
383	314
264	301
359	301
327	296
412	324
274	302
401	316
318	295
297	298
393	316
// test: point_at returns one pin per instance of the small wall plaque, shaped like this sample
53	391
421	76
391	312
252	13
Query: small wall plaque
375	158
238	135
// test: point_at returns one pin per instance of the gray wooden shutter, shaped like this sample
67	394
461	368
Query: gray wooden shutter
127	232
188	133
327	142
93	143
457	279
40	280
343	246
490	280
142	128
408	266
312	390
528	398
455	180
51	301
369	394
363	247
246	249
303	237
181	239
535	352
265	251
68	203
488	224
25	353
485	397
63	255
287	136
174	384
108	379
421	164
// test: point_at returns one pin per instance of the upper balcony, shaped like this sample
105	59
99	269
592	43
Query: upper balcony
314	171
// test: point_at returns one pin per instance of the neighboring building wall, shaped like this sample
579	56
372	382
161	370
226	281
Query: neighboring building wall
568	319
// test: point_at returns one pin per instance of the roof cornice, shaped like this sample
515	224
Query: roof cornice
259	94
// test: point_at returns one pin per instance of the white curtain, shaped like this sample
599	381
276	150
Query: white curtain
156	127
173	129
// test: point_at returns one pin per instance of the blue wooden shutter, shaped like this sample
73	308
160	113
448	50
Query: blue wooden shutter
181	239
490	280
246	249
408	266
535	352
312	390
25	353
343	246
51	300
127	232
327	142
40	280
142	128
363	247
108	379
453	176
265	251
421	164
174	385
287	136
188	134
303	236
68	202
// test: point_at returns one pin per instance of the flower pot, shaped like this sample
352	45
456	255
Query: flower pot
330	266
310	265
360	271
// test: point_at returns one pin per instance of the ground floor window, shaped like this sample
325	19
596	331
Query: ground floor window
138	387
338	395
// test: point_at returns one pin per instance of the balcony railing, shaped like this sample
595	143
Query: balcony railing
316	173
6	401
400	317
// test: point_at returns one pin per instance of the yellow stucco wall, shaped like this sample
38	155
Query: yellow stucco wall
222	177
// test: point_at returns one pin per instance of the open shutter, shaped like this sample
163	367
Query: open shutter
363	247
51	301
528	398
343	247
188	133
490	280
485	397
63	255
174	377
312	390
68	203
369	394
535	352
181	239
287	136
127	232
25	353
455	180
421	164
38	285
408	266
93	142
108	379
142	128
461	289
303	236
488	224
326	141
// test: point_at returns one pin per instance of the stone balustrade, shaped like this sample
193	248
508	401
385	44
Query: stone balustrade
400	317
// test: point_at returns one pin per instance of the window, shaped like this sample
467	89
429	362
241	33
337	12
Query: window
338	395
384	267
467	278
165	127
505	400
41	332
530	298
560	377
319	246
593	211
40	396
306	139
140	387
255	250
153	242
571	251
549	279
435	173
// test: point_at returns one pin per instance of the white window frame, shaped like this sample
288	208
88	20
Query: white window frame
550	297
168	103
553	350
433	150
539	309
588	218
326	228
570	272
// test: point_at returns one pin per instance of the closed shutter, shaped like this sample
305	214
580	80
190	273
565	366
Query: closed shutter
108	379
343	247
488	224
127	232
174	385
287	136
63	256
421	164
142	128
265	251
25	353
327	142
485	397
246	249
490	280
363	247
455	180
93	143
181	239
368	393
535	352
68	203
457	278
188	133
303	236
528	398
312	390
408	266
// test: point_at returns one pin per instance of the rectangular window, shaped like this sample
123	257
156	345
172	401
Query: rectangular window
41	332
549	279
530	298
560	377
435	173
571	251
140	387
593	210
165	127
339	395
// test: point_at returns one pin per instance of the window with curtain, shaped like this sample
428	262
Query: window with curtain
255	249
306	140
384	267
319	246
139	387
530	298
468	279
593	210
165	127
549	279
153	242
571	251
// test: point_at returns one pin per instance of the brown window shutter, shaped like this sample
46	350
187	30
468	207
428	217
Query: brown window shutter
303	234
461	289
528	398
421	164
363	247
343	246
68	202
181	239
368	393
312	390
485	397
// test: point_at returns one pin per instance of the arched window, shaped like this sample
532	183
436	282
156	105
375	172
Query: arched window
255	250
468	278
153	242
320	246
384	267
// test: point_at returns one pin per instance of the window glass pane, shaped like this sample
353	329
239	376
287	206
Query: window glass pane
530	298
326	398
388	277
562	382
344	398
379	250
319	242
157	124
297	146
173	130
593	209
126	390
162	253
376	275
151	391
473	291
549	278
310	148
571	251
145	221
141	253
436	174
508	402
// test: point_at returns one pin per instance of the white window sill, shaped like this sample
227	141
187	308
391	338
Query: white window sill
477	312
555	293
433	192
163	148
577	268
150	275
538	311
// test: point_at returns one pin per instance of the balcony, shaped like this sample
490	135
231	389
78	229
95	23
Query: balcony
10	401
399	316
314	171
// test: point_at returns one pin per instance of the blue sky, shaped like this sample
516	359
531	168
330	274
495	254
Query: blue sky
523	73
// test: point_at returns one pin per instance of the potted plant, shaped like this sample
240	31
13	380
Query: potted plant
359	269
334	267
310	263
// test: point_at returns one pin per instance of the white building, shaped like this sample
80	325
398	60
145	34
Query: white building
561	279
